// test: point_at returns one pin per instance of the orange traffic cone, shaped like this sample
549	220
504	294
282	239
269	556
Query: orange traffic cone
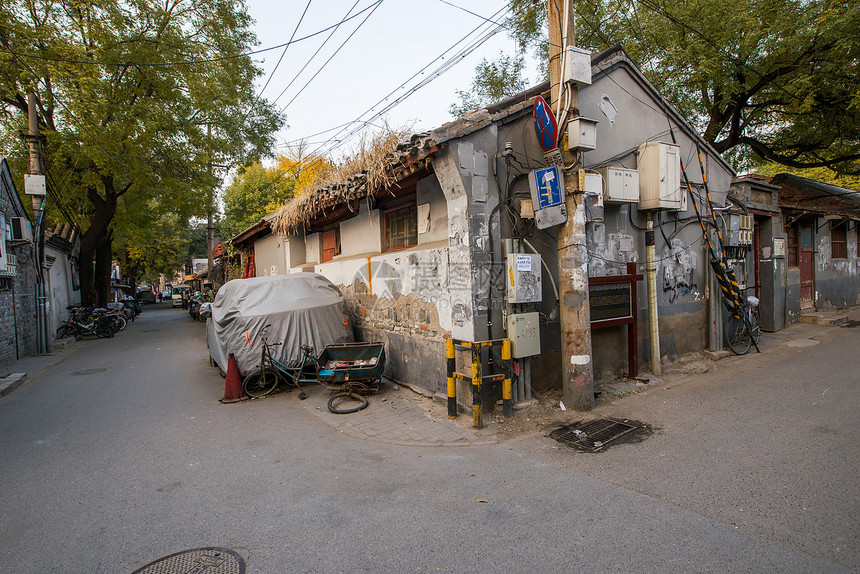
233	385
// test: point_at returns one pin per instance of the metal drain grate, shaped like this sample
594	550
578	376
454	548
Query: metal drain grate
210	560
594	435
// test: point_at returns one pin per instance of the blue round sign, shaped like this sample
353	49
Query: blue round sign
545	126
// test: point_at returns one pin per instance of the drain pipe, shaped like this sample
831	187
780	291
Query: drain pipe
651	278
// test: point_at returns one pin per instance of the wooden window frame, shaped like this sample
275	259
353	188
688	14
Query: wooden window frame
839	248
792	243
408	204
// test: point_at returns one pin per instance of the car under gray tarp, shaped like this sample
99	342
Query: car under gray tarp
300	309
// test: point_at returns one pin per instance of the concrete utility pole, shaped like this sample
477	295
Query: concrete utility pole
43	340
210	234
577	369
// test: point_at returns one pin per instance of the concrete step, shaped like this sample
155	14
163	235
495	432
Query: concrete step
825	318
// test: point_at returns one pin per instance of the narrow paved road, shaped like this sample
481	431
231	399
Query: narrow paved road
121	454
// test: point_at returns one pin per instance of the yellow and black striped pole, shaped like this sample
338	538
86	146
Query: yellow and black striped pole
452	383
477	378
507	400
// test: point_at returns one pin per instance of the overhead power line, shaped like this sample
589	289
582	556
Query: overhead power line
187	62
337	140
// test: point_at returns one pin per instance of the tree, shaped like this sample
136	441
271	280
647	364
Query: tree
137	100
258	190
493	81
778	78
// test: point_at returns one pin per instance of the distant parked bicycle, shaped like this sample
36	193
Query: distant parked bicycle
742	325
85	321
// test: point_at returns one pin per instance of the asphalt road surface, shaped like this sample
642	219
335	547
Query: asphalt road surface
121	454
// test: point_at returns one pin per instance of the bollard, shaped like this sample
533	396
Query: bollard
477	378
507	400
452	384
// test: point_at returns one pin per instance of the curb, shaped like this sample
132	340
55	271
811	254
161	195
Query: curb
11	382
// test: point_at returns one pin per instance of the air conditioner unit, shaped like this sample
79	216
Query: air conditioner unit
21	230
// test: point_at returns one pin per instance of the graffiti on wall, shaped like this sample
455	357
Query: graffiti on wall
678	265
609	255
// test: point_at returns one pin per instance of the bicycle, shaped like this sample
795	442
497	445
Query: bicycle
84	321
347	397
742	327
263	381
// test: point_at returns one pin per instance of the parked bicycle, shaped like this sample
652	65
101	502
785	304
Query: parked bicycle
349	370
84	321
742	325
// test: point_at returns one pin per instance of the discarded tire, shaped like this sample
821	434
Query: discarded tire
346	402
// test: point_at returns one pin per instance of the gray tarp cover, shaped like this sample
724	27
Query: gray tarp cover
302	309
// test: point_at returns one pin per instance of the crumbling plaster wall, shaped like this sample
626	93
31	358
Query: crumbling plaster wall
837	281
629	115
270	255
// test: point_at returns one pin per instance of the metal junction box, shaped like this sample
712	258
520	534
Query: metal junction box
577	69
659	167
524	333
582	134
622	184
523	278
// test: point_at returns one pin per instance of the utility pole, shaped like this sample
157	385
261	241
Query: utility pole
575	317
43	340
210	234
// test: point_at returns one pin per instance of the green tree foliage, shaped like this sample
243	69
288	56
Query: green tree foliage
138	100
257	190
254	192
778	78
493	81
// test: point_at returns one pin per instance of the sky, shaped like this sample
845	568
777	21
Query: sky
391	41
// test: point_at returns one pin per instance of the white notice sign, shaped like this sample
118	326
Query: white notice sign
524	263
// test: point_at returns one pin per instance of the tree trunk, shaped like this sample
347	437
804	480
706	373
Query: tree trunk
97	231
104	258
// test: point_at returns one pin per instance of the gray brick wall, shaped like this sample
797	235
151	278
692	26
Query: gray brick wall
17	294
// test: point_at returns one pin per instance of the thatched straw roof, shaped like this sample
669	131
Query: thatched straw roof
377	165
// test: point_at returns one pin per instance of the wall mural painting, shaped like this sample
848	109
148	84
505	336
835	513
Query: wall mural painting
678	267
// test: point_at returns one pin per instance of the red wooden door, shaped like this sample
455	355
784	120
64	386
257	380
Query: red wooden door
329	245
806	263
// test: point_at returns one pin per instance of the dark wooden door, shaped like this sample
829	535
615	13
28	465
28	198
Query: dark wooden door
806	263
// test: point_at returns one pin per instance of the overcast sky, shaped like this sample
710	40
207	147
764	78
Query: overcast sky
397	40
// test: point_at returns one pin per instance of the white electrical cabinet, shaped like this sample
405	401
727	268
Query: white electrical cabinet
577	70
582	134
524	278
524	333
622	185
659	167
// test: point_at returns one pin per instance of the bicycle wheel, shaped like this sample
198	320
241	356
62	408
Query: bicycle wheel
736	334
64	332
755	326
338	403
256	386
120	321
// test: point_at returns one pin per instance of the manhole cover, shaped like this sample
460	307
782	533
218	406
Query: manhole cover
595	435
209	560
89	371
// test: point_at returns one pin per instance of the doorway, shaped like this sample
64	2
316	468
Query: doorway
806	264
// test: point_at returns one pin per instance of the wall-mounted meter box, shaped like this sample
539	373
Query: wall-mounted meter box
582	134
592	185
524	333
577	70
622	184
737	230
523	278
659	167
